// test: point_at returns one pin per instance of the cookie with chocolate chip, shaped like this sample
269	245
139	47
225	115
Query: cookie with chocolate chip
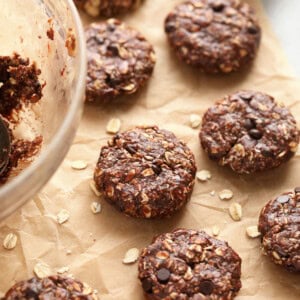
249	132
120	60
53	287
217	36
146	172
107	8
189	264
279	224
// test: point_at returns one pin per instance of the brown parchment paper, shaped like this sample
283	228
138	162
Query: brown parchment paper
98	242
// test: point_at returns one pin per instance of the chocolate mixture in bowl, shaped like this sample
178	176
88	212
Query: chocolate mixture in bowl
19	88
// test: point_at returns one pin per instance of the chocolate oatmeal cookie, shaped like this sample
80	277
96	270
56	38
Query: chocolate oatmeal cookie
120	60
217	36
146	172
107	8
249	132
53	287
189	264
279	224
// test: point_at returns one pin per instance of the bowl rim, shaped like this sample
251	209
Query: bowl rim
64	132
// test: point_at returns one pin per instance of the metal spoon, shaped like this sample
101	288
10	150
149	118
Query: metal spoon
5	146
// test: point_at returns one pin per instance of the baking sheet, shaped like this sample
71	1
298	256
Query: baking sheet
99	242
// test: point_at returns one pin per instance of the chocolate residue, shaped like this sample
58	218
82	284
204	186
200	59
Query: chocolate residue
19	87
21	151
50	34
19	84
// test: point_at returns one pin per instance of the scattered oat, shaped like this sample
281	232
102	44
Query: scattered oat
195	121
203	175
10	241
212	193
79	165
252	231
42	270
235	211
63	216
69	252
226	194
215	230
94	188
131	256
63	270
96	207
113	126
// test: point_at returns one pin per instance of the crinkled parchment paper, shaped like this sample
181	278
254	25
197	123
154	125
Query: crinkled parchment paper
99	242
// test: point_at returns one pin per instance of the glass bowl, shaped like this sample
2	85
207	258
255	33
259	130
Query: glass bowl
45	31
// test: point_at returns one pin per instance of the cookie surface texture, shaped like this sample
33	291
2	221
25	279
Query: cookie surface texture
279	224
146	172
249	132
52	287
217	36
189	264
120	60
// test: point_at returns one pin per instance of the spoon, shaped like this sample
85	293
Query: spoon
5	146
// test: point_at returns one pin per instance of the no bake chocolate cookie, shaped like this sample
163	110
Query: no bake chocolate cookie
217	36
107	8
146	172
53	287
248	131
120	60
279	224
189	264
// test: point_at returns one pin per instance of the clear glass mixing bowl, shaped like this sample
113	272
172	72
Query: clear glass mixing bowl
26	29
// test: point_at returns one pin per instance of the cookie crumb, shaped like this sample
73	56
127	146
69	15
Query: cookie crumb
131	256
10	241
235	211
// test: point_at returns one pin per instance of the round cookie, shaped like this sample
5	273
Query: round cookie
189	264
146	172
52	287
279	224
120	60
217	36
107	8
249	132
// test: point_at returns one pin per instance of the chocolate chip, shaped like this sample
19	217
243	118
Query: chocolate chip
246	97
113	49
297	190
156	169
283	199
249	124
163	275
252	29
147	285
255	134
218	7
169	28
130	149
206	287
